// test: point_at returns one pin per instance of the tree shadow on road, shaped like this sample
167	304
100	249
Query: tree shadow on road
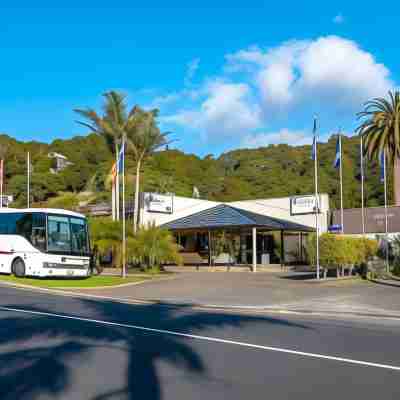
43	355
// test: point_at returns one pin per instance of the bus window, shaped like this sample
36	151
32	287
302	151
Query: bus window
38	236
79	236
58	234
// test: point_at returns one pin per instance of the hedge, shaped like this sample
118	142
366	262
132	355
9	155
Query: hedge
339	250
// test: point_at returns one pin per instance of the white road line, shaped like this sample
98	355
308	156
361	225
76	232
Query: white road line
208	338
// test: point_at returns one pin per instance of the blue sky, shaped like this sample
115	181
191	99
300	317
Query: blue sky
224	76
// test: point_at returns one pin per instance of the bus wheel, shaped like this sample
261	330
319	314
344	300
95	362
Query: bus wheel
18	268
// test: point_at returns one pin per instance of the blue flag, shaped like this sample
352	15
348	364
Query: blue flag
338	156
314	145
121	158
383	166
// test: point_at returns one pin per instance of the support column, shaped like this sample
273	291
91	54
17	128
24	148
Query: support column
254	231
301	247
209	249
243	248
282	251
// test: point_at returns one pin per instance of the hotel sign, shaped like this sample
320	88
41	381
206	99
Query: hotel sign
300	205
159	203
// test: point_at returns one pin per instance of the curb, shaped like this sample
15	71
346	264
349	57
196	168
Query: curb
208	307
383	282
65	288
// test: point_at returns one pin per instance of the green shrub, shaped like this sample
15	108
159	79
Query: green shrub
153	246
339	250
106	237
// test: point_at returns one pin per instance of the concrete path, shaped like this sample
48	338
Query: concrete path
272	290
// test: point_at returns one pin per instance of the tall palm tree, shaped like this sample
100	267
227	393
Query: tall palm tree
144	138
112	124
381	132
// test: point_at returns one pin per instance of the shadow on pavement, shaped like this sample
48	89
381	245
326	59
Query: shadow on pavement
40	355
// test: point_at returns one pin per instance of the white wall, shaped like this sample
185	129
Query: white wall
182	207
278	208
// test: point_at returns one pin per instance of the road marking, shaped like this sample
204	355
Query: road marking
207	338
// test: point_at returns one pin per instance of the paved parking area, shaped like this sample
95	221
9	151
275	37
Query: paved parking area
277	290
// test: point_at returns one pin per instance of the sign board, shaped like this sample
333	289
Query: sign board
159	203
303	205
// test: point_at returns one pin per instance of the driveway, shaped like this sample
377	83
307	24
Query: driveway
272	290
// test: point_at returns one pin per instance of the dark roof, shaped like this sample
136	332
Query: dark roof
224	216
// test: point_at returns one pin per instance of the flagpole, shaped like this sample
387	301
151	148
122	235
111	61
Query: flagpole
341	182
1	182
113	199
123	214
28	179
316	197
362	185
117	187
386	212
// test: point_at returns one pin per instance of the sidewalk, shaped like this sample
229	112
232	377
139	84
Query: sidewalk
283	292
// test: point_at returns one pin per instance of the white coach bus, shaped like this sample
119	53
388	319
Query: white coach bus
44	242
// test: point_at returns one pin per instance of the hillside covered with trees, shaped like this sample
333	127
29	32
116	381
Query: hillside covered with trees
273	171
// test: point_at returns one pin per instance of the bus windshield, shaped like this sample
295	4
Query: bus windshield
67	235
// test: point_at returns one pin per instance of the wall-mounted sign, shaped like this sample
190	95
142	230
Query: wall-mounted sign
160	203
303	205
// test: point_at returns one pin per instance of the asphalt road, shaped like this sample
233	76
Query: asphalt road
67	348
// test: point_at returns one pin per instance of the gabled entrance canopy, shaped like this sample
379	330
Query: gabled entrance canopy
224	216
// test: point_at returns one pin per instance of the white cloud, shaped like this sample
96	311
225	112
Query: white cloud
160	101
192	67
338	19
294	138
226	110
329	69
285	136
258	88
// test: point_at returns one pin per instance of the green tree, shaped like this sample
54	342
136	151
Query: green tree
106	237
381	132
144	138
66	201
112	124
153	246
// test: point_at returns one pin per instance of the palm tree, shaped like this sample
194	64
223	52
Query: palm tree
381	132
144	138
154	246
106	237
112	124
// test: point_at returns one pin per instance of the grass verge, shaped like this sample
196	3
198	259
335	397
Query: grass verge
91	282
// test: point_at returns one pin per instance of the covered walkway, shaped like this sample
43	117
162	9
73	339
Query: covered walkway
236	231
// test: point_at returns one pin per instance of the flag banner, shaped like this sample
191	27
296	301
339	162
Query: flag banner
335	228
114	172
338	156
314	145
121	156
382	165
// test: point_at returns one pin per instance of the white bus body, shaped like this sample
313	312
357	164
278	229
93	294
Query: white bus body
44	242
